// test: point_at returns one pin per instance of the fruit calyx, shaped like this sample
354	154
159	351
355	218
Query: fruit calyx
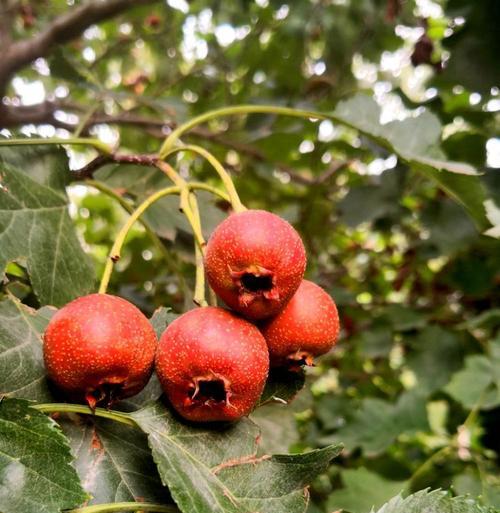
106	394
254	281
298	359
209	390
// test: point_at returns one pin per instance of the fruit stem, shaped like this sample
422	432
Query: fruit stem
120	239
174	136
219	168
168	258
76	141
79	408
199	291
125	506
189	207
185	202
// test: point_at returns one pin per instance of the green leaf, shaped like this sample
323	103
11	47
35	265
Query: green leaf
376	342
162	317
435	501
478	383
22	373
466	190
35	225
404	318
216	468
436	354
488	319
46	165
113	461
414	139
362	491
36	475
282	385
378	423
278	427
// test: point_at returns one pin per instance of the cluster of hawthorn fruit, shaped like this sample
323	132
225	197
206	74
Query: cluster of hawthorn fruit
212	362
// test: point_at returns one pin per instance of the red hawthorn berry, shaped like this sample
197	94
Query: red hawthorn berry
254	262
308	326
99	349
212	365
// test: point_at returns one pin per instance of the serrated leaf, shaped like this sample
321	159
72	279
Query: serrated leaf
478	383
378	423
362	491
216	469
36	475
113	461
436	501
35	224
22	373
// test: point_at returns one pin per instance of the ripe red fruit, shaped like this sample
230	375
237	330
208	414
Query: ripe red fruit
212	365
254	262
99	349
308	326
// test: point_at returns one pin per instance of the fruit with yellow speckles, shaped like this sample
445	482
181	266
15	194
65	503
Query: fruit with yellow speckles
99	349
255	261
308	326
212	365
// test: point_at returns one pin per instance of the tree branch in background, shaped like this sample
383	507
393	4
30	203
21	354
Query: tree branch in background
43	113
89	169
16	55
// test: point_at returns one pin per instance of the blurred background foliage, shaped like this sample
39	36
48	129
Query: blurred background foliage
413	387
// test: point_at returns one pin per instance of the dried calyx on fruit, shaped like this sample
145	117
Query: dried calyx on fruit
255	261
99	349
212	365
308	326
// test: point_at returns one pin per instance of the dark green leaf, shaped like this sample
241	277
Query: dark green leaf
436	355
36	475
435	501
162	317
413	139
282	385
35	225
22	373
478	383
378	423
216	468
362	491
113	461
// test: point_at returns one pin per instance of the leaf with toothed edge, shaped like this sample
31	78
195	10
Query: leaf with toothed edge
113	461
433	501
215	468
36	475
22	372
34	204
